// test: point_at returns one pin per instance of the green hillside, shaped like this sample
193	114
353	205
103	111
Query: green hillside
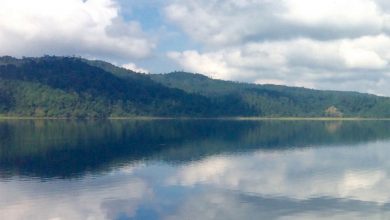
79	88
70	87
273	100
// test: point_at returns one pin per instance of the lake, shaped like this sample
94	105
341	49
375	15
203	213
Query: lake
194	169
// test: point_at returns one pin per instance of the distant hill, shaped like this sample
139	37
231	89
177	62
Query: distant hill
275	100
78	88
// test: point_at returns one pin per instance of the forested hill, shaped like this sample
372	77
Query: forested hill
275	100
75	87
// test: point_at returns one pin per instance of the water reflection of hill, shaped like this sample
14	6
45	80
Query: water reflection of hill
71	148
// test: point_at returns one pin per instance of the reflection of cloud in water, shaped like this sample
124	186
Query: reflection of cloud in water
233	205
345	182
87	198
340	172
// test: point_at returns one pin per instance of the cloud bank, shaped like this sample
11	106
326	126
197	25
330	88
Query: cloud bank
92	28
135	68
323	44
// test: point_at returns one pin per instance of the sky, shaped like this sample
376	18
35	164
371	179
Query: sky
321	44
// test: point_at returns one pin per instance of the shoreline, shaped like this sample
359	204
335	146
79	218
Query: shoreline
204	118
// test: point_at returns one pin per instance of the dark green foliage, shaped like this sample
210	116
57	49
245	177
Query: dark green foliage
78	88
70	87
6	99
272	100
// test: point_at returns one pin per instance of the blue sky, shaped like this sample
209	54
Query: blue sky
170	38
321	44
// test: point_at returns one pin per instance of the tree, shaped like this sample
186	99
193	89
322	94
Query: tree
332	111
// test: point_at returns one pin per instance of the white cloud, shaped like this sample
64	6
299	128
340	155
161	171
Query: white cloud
212	64
324	44
334	13
135	68
92	28
230	22
298	62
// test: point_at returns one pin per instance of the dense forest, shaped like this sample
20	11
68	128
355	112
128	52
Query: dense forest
74	87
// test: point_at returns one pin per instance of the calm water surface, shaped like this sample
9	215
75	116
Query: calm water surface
194	169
